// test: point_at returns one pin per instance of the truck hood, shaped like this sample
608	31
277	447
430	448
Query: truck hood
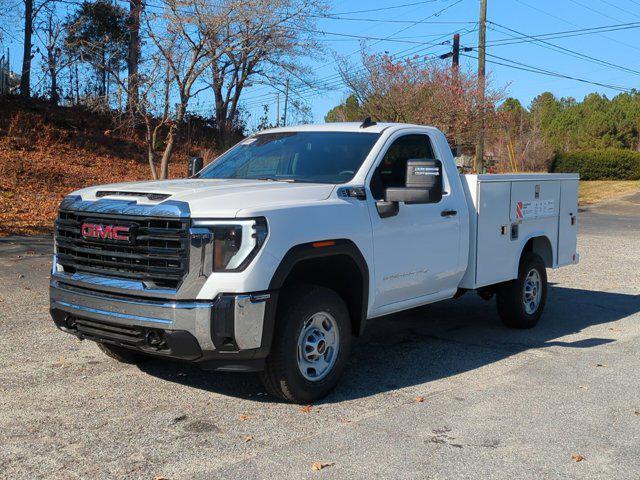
211	197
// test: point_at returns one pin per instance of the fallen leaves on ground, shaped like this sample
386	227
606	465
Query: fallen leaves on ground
306	409
160	477
43	157
601	365
576	457
316	466
584	387
243	417
62	362
613	329
419	399
637	412
247	438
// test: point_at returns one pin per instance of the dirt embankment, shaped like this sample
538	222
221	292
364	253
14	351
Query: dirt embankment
47	152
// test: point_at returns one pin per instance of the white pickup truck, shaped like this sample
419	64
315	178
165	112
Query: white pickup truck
276	254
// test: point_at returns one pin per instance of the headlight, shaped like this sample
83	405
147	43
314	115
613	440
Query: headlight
235	242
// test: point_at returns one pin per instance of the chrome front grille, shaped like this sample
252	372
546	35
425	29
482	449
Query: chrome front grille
157	255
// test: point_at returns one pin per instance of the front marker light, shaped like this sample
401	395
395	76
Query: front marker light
235	243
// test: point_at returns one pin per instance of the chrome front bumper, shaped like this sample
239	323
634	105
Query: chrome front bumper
230	324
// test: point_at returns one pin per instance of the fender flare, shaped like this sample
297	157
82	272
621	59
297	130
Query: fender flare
338	247
527	239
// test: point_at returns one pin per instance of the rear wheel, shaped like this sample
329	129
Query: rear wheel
521	301
121	354
311	345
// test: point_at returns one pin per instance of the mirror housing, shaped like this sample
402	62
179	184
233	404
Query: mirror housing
195	165
423	184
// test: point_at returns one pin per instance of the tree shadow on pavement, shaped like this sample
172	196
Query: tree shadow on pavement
434	342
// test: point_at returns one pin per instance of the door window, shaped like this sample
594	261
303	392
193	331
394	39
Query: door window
392	171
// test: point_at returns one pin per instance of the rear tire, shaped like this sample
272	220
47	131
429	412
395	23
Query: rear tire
311	345
521	301
121	354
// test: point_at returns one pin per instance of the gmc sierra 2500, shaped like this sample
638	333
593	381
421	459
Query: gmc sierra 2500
276	254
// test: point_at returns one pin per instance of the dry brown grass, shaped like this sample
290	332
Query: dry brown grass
594	191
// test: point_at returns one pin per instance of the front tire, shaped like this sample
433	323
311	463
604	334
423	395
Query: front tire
521	301
311	345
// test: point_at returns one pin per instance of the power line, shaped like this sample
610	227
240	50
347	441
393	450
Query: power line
405	53
530	68
336	85
386	8
363	37
594	10
381	20
562	34
624	10
544	12
571	53
332	82
437	13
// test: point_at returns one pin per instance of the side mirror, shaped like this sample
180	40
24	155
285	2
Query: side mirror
195	165
423	184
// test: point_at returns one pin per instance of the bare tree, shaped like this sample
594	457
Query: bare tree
96	34
25	78
133	57
31	10
262	42
182	48
49	33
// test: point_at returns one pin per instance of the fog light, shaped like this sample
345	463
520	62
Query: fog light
70	323
155	338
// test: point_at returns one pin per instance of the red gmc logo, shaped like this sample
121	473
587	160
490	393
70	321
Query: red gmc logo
106	232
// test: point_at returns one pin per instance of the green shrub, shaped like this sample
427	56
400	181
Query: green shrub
610	164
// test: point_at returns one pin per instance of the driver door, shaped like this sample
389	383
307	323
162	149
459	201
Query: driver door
415	251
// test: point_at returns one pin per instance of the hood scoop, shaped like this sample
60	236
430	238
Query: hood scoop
157	197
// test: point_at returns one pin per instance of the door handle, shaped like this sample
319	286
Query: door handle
448	213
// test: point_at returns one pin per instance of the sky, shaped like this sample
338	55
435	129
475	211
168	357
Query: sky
614	56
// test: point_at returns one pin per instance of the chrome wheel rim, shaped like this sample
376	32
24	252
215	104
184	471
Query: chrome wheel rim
532	291
318	346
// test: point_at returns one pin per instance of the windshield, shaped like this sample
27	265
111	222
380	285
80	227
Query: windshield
315	157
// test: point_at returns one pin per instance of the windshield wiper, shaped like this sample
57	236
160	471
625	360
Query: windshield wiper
272	179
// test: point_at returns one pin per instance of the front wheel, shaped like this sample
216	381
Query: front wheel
521	301
311	345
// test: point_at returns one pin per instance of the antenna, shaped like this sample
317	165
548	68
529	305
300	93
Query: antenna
367	123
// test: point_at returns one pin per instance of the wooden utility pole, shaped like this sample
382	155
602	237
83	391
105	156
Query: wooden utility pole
456	51
482	39
278	109
286	101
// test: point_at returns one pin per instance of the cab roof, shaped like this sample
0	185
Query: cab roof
345	127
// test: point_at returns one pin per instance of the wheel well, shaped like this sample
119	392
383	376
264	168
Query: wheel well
339	273
542	246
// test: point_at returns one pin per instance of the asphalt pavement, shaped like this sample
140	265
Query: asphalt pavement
442	392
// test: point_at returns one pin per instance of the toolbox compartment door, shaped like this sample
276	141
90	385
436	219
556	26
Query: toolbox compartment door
568	223
494	249
535	206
